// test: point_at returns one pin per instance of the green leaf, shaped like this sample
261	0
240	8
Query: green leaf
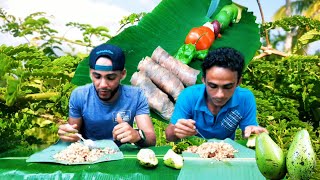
167	26
307	38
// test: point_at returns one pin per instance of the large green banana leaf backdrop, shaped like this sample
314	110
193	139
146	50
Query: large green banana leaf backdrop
167	26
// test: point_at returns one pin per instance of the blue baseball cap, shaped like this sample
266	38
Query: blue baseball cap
114	53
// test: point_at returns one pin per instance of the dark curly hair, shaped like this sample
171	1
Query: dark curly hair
226	58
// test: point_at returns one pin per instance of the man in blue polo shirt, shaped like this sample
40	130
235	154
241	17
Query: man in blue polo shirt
216	108
105	109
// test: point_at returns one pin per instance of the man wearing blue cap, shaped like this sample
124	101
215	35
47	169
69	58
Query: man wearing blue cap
105	109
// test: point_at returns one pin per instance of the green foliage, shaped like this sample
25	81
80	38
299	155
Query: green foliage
286	91
35	90
290	83
102	33
306	30
131	19
36	29
288	22
159	127
183	144
307	38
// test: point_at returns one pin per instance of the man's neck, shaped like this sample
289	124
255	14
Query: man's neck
213	108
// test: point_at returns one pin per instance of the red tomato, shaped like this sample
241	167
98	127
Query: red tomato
201	36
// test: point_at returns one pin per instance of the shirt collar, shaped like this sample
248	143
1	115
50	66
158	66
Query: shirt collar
201	104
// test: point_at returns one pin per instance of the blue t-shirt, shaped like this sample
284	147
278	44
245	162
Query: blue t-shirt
99	117
240	111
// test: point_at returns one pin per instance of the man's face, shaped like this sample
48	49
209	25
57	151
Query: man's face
106	83
220	85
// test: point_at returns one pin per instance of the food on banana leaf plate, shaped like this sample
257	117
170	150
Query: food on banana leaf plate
183	144
269	157
173	160
78	153
147	158
216	150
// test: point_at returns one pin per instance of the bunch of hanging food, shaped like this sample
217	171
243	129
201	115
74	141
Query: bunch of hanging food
200	39
163	76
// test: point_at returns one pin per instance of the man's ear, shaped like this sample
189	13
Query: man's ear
90	74
240	81
123	74
203	80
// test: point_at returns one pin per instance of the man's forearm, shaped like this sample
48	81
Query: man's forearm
170	135
150	140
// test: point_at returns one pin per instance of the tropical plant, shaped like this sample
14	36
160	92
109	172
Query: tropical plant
306	8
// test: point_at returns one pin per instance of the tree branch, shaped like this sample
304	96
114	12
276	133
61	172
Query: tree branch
262	19
268	51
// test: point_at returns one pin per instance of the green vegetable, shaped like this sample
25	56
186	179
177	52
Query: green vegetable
301	159
201	54
232	10
224	19
270	157
172	159
147	158
181	146
186	53
251	143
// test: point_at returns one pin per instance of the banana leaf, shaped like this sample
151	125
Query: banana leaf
167	26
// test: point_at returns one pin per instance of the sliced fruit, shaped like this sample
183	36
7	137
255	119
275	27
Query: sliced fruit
147	158
173	160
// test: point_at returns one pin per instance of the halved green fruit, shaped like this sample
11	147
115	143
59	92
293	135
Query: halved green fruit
147	158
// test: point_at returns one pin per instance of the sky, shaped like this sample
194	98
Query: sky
106	13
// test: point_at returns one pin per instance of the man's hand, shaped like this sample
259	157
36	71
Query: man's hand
253	130
67	132
123	132
184	128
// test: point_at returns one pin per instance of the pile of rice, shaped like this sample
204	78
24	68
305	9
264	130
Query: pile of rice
78	153
217	150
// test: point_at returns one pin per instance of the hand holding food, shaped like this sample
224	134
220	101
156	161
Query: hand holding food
67	132
184	128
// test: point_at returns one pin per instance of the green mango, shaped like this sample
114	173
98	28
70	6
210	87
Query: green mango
301	159
270	158
147	158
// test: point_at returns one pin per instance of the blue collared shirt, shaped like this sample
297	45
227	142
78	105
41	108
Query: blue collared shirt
239	111
98	117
